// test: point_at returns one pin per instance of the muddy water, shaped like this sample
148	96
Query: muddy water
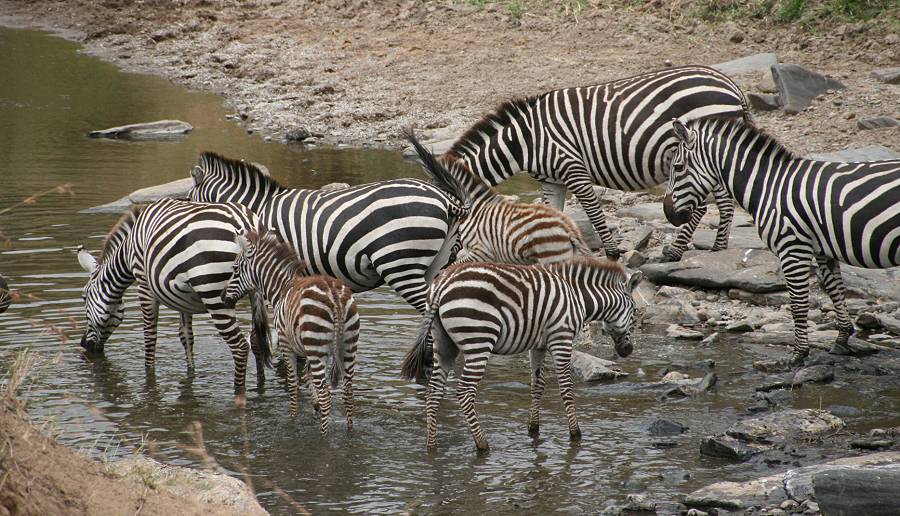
50	96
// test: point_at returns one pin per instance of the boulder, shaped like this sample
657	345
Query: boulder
633	259
747	269
694	387
148	130
588	368
635	239
644	294
846	492
883	284
763	101
645	211
178	189
798	86
746	64
877	122
868	153
664	427
739	238
675	331
728	447
671	311
887	75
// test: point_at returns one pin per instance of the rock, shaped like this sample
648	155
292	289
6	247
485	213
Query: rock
330	187
752	63
674	376
178	189
813	374
750	270
769	299
868	153
877	122
873	492
671	311
777	426
881	284
741	326
766	84
664	427
674	292
635	239
148	130
798	86
298	135
588	368
711	339
646	212
739	238
212	489
633	259
763	101
675	331
887	75
854	347
871	444
639	503
772	366
736	36
686	390
728	448
868	321
644	294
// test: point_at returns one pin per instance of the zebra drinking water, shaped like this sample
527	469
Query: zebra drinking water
499	230
616	135
804	210
179	254
5	296
481	308
316	317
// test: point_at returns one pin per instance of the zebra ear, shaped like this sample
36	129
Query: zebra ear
242	243
197	175
87	262
683	133
633	281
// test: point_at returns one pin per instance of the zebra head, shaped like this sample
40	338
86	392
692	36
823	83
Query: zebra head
243	276
103	309
691	179
618	321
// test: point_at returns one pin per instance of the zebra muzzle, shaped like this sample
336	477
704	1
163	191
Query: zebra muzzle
227	300
676	218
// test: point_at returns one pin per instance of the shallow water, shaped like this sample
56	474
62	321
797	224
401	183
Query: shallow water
51	96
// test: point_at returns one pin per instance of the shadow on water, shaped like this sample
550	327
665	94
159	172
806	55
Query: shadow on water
50	96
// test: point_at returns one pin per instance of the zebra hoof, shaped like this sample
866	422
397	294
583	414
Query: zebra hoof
671	255
575	436
191	371
613	254
534	430
482	447
797	359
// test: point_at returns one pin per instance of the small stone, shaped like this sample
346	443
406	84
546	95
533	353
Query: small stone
776	512
710	339
877	122
736	37
789	505
742	326
297	135
675	331
667	62
633	259
763	101
887	75
664	427
639	502
674	376
849	115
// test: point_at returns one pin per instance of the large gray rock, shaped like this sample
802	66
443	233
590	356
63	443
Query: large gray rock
747	269
887	75
868	153
798	86
877	122
739	238
848	492
144	131
881	284
752	63
645	211
671	311
178	189
588	368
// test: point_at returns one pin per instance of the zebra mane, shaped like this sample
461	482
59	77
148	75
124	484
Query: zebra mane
736	127
491	124
120	231
453	163
210	161
615	269
282	252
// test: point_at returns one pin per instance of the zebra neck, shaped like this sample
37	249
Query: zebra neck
275	282
498	157
748	164
116	273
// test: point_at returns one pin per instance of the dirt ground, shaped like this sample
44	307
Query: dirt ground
356	72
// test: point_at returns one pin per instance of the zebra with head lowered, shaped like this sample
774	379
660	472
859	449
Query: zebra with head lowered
180	254
499	230
482	309
390	232
617	135
805	210
316	317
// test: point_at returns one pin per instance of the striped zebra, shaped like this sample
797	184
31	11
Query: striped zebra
316	317
804	210
180	255
483	308
5	295
499	230
392	232
617	135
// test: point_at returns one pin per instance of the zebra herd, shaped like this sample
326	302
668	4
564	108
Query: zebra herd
489	275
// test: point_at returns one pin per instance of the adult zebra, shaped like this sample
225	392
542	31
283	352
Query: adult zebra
180	254
804	210
5	296
392	232
617	135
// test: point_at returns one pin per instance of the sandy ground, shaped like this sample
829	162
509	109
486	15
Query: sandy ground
356	72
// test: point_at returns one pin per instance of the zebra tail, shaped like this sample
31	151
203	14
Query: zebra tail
414	362
337	352
441	176
261	325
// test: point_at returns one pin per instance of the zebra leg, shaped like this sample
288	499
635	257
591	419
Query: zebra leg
583	190
186	334
349	366
725	203
445	353
230	331
829	272
150	315
536	361
796	268
293	383
561	350
414	289
323	394
685	236
467	388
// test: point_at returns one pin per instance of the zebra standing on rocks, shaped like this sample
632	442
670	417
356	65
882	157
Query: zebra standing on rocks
483	309
804	210
5	296
499	230
316	317
617	135
180	254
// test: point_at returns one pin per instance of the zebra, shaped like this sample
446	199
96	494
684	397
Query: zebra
392	232
804	209
5	295
180	254
616	135
499	230
482	308
316	316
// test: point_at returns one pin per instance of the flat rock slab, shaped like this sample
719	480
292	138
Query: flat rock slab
178	189
867	153
881	284
877	122
588	368
754	63
845	492
147	130
798	86
779	425
887	75
645	211
747	269
739	238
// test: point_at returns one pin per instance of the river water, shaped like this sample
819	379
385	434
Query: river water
51	96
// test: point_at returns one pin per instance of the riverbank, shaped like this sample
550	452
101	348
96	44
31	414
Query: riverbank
357	72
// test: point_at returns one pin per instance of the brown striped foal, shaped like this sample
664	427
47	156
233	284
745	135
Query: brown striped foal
316	317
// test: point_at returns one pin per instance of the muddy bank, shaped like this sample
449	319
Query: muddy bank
358	72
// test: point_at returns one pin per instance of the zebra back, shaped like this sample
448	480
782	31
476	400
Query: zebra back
220	179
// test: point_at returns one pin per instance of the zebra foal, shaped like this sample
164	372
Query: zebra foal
179	254
316	317
499	230
805	210
481	309
616	134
